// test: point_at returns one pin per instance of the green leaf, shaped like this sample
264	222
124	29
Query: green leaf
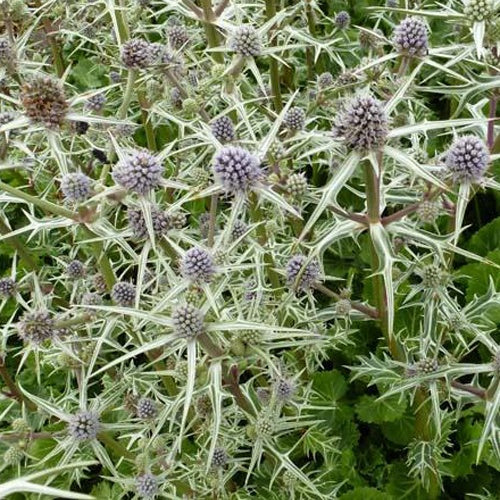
107	490
330	384
365	493
88	74
400	431
478	279
402	486
487	239
370	409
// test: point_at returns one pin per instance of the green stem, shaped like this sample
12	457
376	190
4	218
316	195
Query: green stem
273	63
311	23
369	311
127	97
121	21
403	66
169	250
102	259
54	46
43	204
31	263
372	193
229	377
257	216
421	405
423	431
210	31
490	141
108	440
492	389
496	146
213	215
146	122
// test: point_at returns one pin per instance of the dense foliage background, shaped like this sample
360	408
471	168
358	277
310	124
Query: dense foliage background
288	302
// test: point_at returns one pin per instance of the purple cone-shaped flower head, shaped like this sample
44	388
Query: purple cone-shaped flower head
236	168
363	124
188	321
301	275
410	37
84	425
140	172
197	265
467	159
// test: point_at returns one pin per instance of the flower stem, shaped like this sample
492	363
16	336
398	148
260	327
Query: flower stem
476	391
146	121
423	431
273	63
194	8
102	259
43	204
369	311
258	217
127	97
211	223
372	193
230	374
311	23
109	441
492	389
221	7
54	46
421	404
210	31
491	123
123	30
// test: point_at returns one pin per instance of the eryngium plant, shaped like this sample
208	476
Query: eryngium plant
249	250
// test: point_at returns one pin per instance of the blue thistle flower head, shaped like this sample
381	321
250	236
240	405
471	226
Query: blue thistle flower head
410	37
237	168
84	425
197	265
140	172
467	159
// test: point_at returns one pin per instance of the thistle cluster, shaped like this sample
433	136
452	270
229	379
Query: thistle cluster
246	41
76	187
342	20
295	119
467	159
302	274
478	10
146	409
137	54
84	425
137	222
248	240
123	293
410	37
8	287
223	129
44	102
237	168
188	321
139	172
146	485
362	124
197	265
36	327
